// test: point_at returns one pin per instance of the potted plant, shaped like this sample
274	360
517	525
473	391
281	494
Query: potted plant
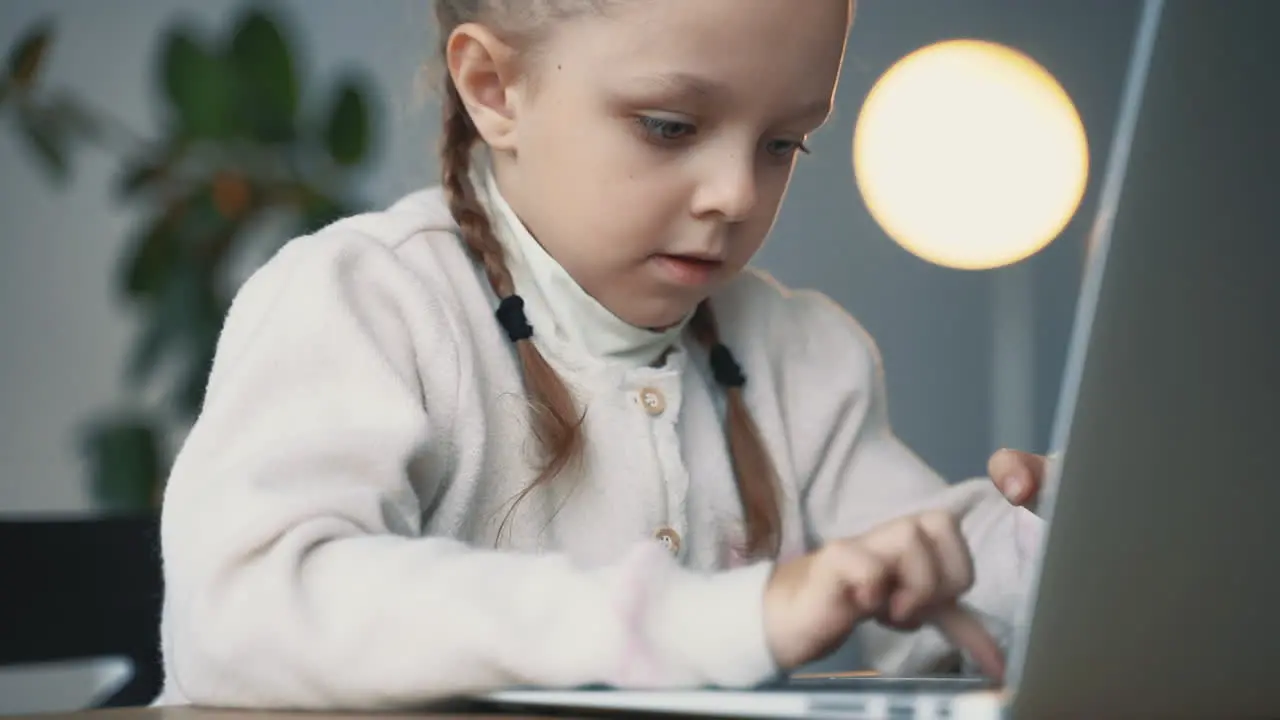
248	155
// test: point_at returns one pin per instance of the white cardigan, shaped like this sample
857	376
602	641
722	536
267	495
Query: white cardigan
329	527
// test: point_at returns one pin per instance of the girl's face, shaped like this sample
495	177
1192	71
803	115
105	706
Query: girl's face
648	147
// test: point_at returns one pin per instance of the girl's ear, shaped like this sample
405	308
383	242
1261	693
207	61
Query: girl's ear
483	70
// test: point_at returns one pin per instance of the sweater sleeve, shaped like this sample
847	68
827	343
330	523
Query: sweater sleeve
859	474
297	574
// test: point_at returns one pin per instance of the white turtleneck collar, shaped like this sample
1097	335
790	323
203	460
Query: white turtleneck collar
555	303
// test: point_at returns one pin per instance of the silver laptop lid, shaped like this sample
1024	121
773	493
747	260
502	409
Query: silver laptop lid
1159	592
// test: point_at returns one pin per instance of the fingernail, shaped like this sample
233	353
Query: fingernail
1014	487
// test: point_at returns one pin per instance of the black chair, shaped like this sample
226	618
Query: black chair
83	588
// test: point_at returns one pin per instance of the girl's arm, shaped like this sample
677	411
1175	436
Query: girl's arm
297	574
858	474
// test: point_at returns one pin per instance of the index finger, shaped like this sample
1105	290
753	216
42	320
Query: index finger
966	632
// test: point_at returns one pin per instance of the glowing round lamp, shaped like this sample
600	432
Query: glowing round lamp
970	155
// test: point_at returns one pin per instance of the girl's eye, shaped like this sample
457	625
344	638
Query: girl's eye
663	130
785	148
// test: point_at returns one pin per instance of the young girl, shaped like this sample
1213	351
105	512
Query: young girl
539	426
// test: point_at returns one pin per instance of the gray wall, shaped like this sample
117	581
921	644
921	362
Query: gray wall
62	335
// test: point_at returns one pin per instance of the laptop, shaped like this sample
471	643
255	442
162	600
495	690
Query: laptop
1157	589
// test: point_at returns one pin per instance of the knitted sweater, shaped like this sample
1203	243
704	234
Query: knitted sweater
331	524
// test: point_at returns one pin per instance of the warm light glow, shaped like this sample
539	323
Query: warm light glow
970	155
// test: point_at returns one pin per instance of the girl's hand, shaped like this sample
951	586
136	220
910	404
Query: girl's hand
903	573
1019	475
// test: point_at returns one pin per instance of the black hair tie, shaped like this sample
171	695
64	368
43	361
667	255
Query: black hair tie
725	369
511	316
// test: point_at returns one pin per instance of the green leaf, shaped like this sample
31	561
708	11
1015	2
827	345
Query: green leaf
200	311
204	229
265	77
199	86
47	140
27	57
153	257
347	134
178	319
126	462
186	243
181	54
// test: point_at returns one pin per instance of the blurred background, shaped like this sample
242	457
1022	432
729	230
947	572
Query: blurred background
109	218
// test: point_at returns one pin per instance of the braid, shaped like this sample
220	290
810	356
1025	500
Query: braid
753	470
557	424
556	421
459	139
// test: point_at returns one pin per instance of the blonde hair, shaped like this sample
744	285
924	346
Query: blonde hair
557	423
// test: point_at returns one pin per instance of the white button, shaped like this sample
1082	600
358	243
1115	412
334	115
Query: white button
669	538
653	401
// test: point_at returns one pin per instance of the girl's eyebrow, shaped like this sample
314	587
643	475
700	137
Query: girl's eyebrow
815	112
698	88
685	85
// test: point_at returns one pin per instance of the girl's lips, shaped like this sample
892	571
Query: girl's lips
688	269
